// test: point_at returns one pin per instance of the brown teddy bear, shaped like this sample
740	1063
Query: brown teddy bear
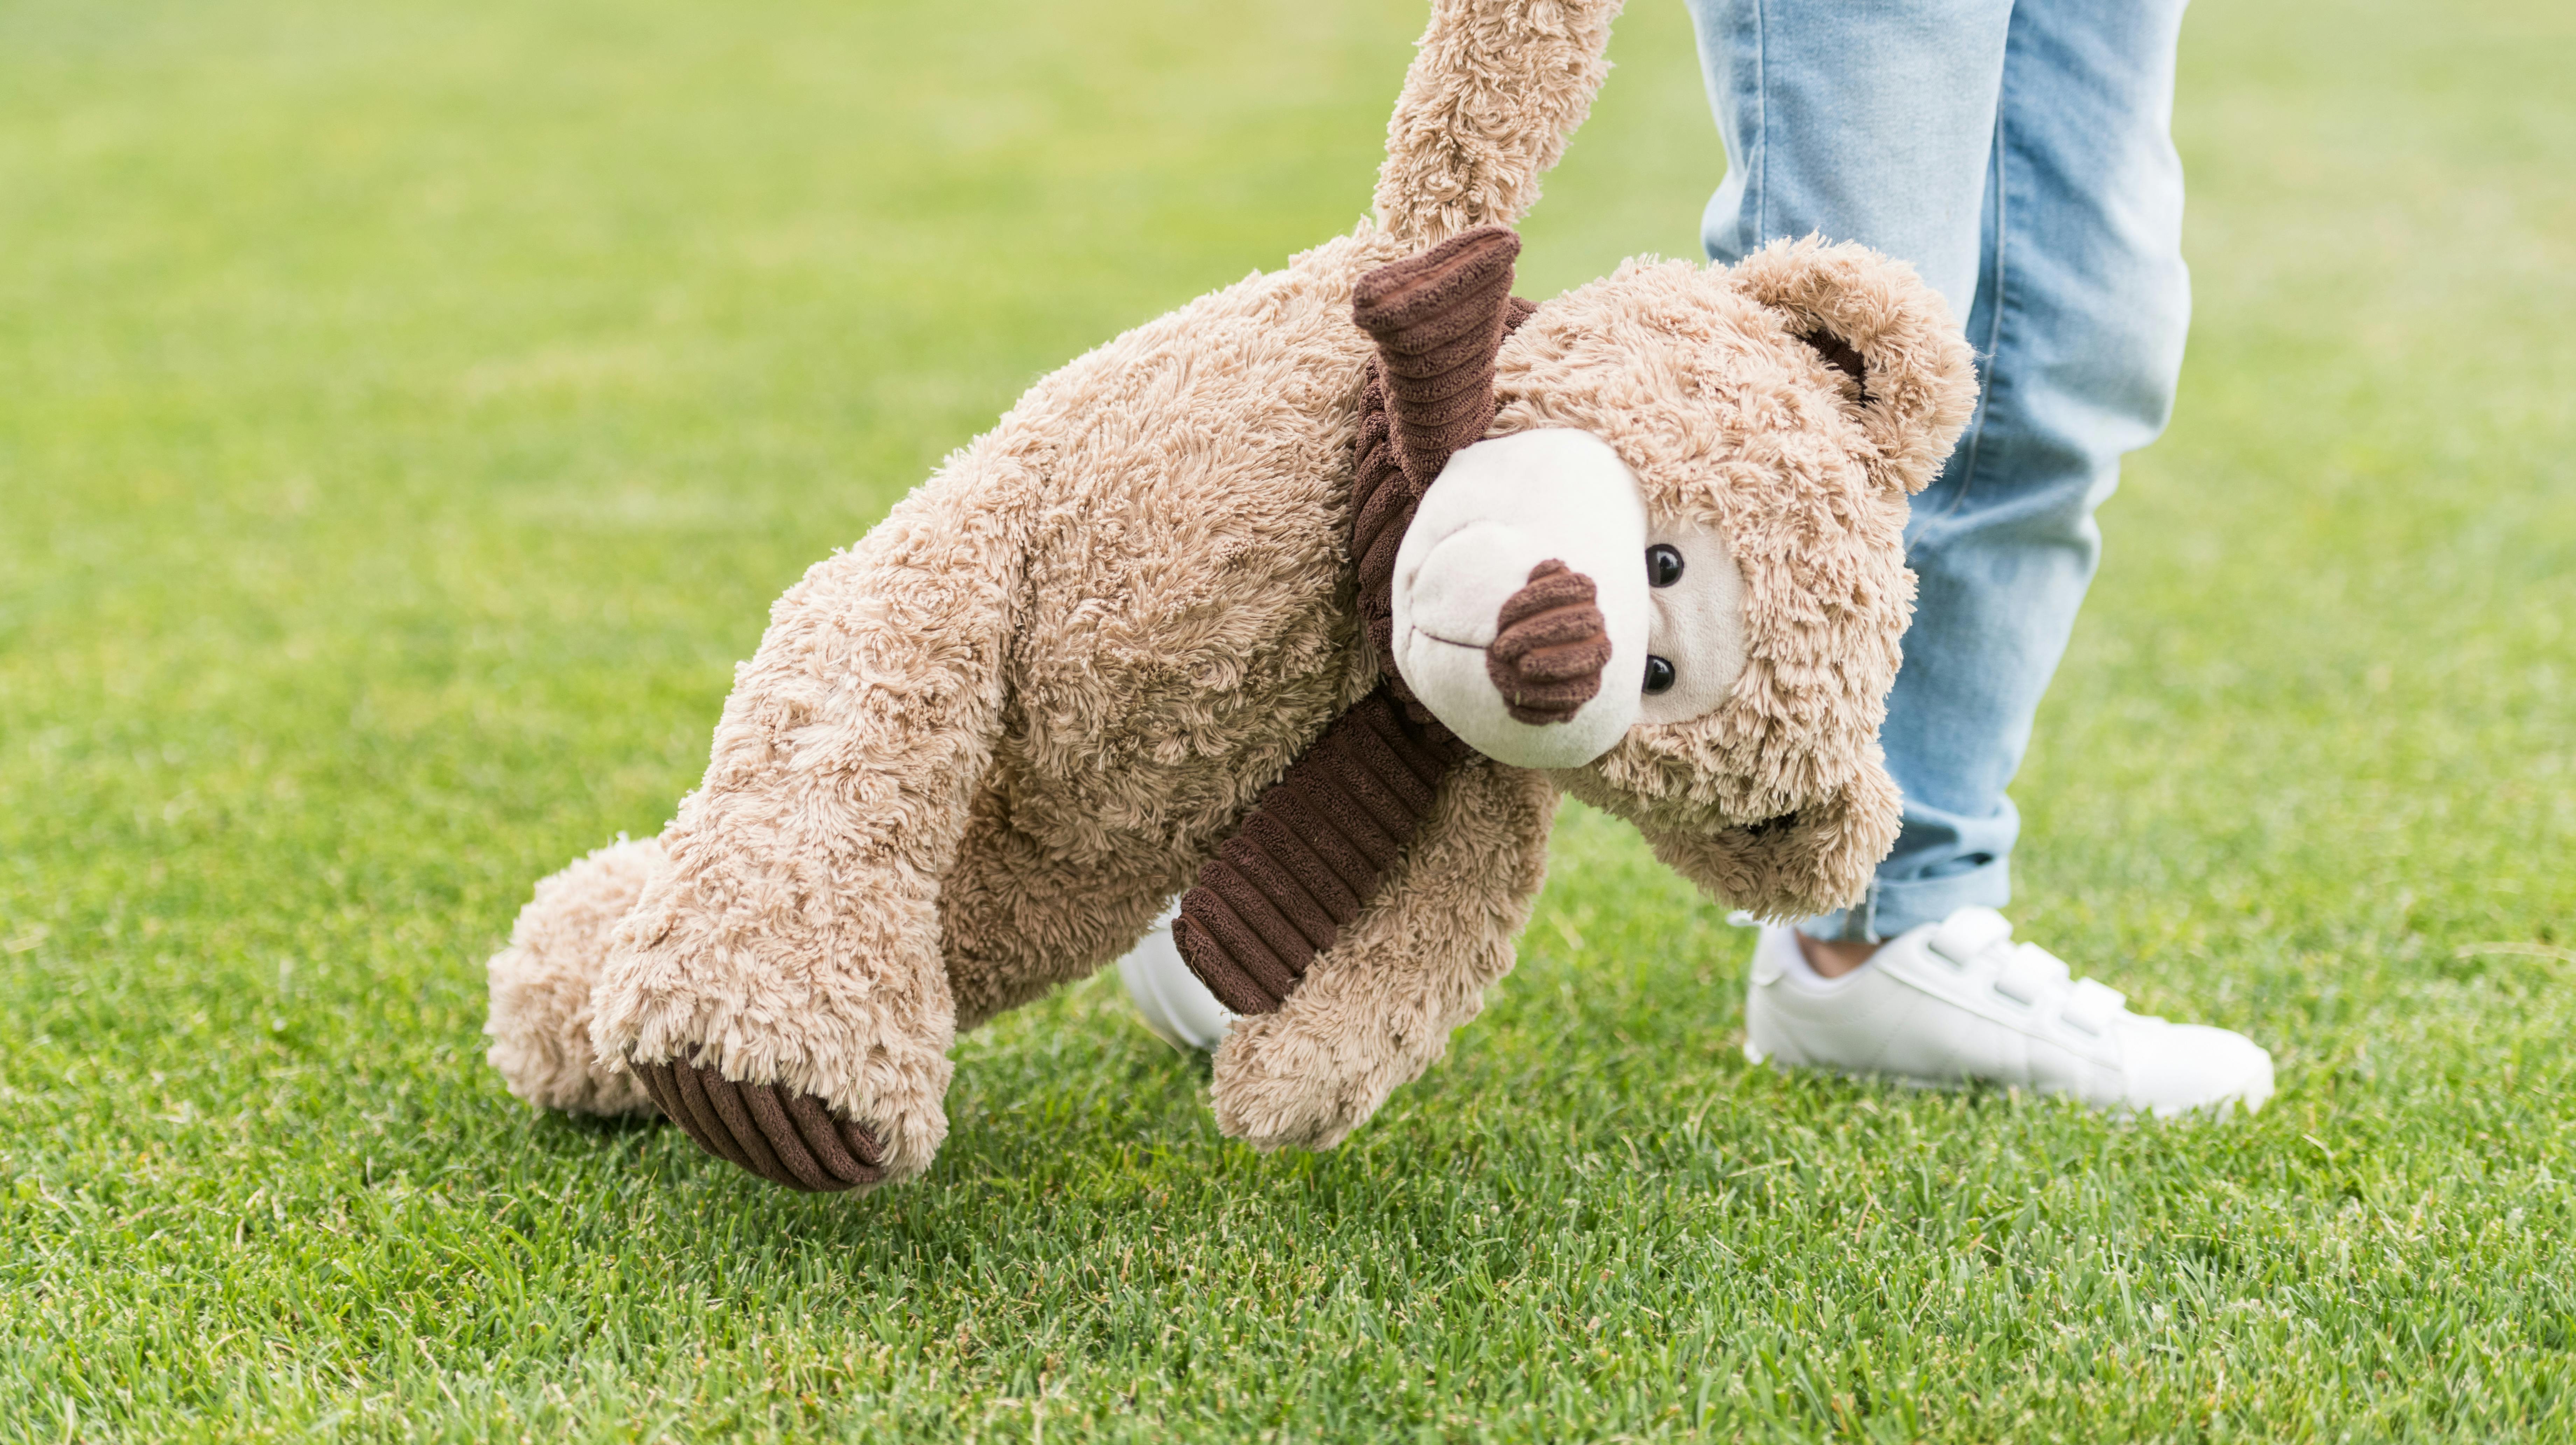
1309	598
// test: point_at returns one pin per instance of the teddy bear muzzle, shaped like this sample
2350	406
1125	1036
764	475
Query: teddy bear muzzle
1520	591
1550	645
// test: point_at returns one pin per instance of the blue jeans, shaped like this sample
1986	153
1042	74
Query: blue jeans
2017	152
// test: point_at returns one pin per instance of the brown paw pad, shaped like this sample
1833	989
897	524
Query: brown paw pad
784	1137
1550	645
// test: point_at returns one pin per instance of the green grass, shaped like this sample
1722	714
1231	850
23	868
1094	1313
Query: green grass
407	412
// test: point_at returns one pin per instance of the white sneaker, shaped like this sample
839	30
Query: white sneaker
1177	1007
1958	1001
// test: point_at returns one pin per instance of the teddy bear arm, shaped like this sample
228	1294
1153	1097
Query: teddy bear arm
1495	89
1377	1008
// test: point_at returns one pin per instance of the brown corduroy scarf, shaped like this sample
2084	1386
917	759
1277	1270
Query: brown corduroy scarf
1315	849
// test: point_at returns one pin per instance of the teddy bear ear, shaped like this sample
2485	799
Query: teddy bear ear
1877	322
1812	861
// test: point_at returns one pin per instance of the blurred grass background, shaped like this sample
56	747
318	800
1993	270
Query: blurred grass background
408	411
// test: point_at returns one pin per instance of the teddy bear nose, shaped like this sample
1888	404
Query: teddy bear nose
1550	646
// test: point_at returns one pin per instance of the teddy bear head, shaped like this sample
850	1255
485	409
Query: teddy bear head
1724	456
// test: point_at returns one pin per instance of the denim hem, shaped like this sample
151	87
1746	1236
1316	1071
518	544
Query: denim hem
1895	905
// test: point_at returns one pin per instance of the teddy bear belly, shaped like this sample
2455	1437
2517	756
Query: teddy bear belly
1186	621
1119	768
1134	739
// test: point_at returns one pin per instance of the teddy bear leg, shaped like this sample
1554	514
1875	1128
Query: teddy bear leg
782	982
541	984
1377	1008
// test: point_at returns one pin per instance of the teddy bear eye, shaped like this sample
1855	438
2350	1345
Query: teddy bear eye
1659	676
1663	566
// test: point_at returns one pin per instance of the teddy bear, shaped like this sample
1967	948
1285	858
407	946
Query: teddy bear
1305	603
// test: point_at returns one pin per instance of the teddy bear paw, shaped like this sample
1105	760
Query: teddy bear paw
781	1135
1273	1087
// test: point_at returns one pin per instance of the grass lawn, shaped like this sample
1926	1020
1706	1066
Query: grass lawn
408	410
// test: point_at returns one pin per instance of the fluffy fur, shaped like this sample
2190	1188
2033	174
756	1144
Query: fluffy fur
541	984
1496	88
1699	379
975	754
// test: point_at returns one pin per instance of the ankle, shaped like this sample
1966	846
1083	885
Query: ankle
1833	959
